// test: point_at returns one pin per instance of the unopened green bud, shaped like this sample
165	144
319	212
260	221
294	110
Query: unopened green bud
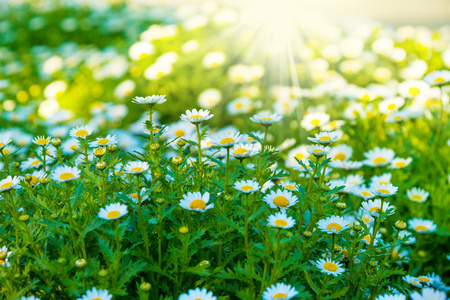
80	263
44	180
145	286
24	218
112	148
103	273
400	225
341	205
56	142
101	165
177	160
307	234
155	147
181	143
184	230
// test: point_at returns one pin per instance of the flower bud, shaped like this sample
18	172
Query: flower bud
17	275
160	200
145	286
54	216
80	263
101	165
44	180
341	205
422	253
112	148
16	164
373	263
28	178
56	142
326	179
24	218
103	273
155	146
181	143
400	225
307	234
61	260
99	151
177	160
288	234
357	228
3	255
204	263
337	248
229	198
184	230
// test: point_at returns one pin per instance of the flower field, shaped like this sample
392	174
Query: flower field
193	152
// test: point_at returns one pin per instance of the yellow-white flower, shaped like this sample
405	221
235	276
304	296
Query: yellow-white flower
31	162
289	185
196	116
113	211
209	98
281	220
198	294
95	294
384	178
245	150
4	141
391	105
281	199
318	150
329	267
413	88
279	291
247	186
196	201
363	192
226	139
36	176
266	120
333	225
150	100
428	294
106	141
297	153
214	59
367	239
406	237
241	105
64	174
313	120
417	194
425	279
378	157
42	140
383	190
437	78
400	163
81	132
325	137
136	167
341	153
412	280
9	183
374	207
5	261
391	297
422	225
365	216
135	196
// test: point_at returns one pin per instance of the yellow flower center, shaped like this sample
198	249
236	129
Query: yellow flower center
113	214
103	141
81	133
73	147
37	162
416	197
226	141
179	133
439	80
42	142
324	138
197	204
281	223
136	169
365	194
6	151
315	122
281	201
413	91
289	187
279	296
299	156
394	254
423	278
383	191
6	185
421	228
366	220
329	266
66	176
339	156
2	144
384	182
379	160
246	188
334	226
375	209
34	180
367	238
196	117
239	151
400	164
317	150
1	262
267	119
415	282
391	106
239	105
134	195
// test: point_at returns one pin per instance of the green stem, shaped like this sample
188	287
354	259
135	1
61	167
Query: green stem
227	167
141	220
6	163
199	147
333	238
72	227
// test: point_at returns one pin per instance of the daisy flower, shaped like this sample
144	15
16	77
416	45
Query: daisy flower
64	174
136	167
9	183
383	190
247	186
245	150
95	294
341	153
135	196
381	179
4	141
42	140
281	199
313	120
31	162
226	139
425	279
390	105
325	137
391	297
437	78
406	237
367	239
279	291
329	267
346	165
422	225
197	294
196	116
288	185
379	157
5	261
267	186
196	201
150	100
365	216
81	132
106	141
412	280
30	298
333	225
417	194
428	294
362	192
266	120
113	211
374	207
280	220
413	88
400	163
318	150
398	116
36	176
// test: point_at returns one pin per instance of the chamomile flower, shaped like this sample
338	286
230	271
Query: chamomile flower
384	178
150	100
417	194
135	196
267	186
333	225
400	163
4	141
428	294
412	280
36	176
226	139
437	78
383	190
422	225
267	120
367	239
4	251
346	165
329	267
297	153
325	137
281	199
279	291
196	116
289	185
113	211
202	294
374	207
106	141
30	298
95	294
425	279
245	150
42	140
391	105
247	186
31	162
406	237
362	192
81	132
413	88
365	216
379	157
318	150
391	297
281	220
64	174
313	120
196	201
136	167
341	153
9	183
